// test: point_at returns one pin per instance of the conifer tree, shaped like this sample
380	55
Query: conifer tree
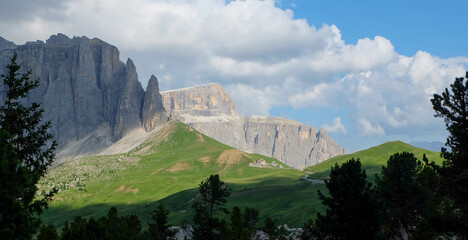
31	152
452	106
160	228
401	195
352	211
207	225
48	232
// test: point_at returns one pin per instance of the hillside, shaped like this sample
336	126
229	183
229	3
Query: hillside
169	166
372	159
210	110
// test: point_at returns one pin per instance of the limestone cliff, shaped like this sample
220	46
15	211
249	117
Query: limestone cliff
206	100
153	109
97	105
291	142
85	90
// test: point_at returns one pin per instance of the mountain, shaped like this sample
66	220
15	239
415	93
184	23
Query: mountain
92	98
97	106
372	159
168	166
205	100
210	110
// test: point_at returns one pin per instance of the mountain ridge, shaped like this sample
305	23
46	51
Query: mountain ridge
373	158
95	100
86	91
287	140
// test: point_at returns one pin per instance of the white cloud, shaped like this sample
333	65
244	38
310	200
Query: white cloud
336	127
262	54
368	129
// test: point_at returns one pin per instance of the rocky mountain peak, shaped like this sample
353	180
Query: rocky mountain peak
58	39
5	44
210	110
94	101
206	100
153	113
91	97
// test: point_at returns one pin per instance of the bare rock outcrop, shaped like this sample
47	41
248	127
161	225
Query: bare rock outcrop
153	113
206	100
85	90
289	141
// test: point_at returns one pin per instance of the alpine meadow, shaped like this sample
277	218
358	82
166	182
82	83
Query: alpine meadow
233	120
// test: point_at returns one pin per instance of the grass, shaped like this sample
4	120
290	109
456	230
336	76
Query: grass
372	159
169	167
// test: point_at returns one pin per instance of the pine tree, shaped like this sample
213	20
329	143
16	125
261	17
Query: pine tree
237	226
352	211
48	232
401	194
453	107
207	225
160	229
270	228
33	150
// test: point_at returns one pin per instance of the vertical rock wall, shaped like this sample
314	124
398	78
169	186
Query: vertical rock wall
84	89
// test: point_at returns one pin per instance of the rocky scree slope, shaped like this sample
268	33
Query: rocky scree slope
92	98
210	110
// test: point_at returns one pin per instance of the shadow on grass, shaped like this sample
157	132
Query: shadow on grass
292	203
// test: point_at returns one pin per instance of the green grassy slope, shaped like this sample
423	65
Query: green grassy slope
372	159
169	167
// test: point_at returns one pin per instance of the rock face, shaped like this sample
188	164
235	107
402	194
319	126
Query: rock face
96	104
206	100
153	107
84	89
291	142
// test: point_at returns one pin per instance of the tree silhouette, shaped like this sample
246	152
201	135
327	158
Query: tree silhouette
160	229
352	211
453	107
30	151
401	194
213	193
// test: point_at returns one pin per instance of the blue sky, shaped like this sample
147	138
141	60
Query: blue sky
363	70
439	27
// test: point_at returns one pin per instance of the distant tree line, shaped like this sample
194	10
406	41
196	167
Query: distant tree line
112	227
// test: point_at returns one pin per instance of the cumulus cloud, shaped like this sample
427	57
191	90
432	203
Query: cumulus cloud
368	129
262	54
336	127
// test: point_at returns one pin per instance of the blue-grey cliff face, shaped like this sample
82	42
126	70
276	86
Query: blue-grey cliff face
84	89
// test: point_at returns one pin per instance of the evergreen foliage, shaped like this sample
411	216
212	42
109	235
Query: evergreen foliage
269	227
308	231
238	229
453	107
401	194
110	227
352	211
160	229
27	152
48	232
207	225
251	218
